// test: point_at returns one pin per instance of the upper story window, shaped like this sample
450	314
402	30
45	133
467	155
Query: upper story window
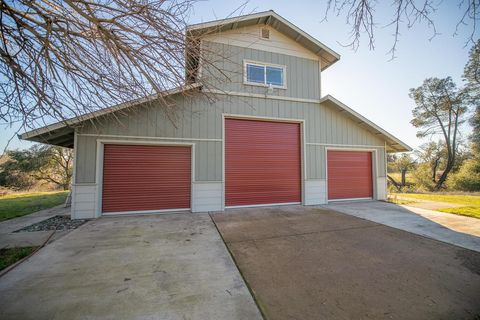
264	74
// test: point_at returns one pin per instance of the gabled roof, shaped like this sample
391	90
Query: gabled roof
271	18
61	133
393	144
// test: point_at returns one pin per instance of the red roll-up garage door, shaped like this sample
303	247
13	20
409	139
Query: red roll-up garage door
262	162
349	175
143	178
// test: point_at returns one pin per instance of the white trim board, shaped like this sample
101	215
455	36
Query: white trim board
145	137
165	211
380	131
374	170
99	168
249	37
274	20
259	95
261	118
264	65
350	199
353	146
95	114
264	205
303	169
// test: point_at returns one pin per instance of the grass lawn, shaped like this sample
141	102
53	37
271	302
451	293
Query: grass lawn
11	255
470	204
20	204
400	201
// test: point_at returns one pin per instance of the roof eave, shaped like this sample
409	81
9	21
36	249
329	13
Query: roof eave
35	135
329	55
396	144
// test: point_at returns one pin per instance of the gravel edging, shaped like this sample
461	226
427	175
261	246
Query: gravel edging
57	223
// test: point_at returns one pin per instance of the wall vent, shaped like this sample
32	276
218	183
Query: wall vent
265	33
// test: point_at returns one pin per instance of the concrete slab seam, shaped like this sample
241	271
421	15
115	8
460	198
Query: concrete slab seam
250	290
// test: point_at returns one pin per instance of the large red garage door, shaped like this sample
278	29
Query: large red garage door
141	178
262	162
349	175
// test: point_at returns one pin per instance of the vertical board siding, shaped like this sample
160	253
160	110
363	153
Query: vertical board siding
230	58
86	159
199	118
314	160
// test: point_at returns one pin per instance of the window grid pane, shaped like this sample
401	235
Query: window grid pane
255	73
275	76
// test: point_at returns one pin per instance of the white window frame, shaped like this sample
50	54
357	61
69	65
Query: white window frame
264	65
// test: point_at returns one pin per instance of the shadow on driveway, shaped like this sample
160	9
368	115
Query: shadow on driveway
312	263
172	266
451	228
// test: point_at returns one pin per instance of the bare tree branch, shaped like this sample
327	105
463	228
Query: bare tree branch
360	15
65	58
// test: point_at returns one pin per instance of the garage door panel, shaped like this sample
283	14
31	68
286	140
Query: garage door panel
349	174
262	162
146	178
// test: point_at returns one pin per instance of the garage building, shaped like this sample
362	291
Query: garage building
265	136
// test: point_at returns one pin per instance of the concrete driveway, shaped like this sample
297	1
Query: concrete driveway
450	228
144	267
312	263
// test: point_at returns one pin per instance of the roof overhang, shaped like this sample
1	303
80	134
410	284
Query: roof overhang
393	144
270	18
62	133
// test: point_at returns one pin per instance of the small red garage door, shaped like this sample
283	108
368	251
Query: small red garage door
262	162
349	175
141	178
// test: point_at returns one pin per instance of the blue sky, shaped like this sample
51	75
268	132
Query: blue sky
365	80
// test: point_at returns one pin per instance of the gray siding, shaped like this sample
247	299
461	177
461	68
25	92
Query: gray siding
230	58
199	118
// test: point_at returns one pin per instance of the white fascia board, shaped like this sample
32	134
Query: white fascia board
98	113
367	122
300	32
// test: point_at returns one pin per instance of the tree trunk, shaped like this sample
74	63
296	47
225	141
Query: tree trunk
404	180
443	178
395	183
434	171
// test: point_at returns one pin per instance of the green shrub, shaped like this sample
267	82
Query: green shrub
467	178
422	178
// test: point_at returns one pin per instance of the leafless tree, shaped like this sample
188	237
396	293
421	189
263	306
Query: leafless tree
361	15
64	58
